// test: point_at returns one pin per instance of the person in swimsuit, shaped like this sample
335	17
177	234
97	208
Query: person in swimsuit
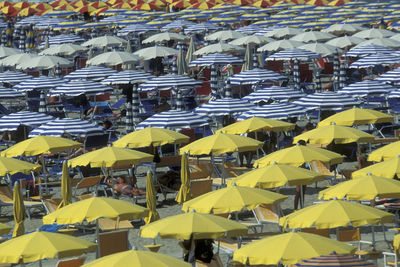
122	187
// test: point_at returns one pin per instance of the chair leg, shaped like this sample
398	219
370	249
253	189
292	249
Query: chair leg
28	212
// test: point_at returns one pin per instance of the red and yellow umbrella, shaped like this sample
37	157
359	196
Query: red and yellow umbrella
5	3
317	2
21	5
146	6
28	11
338	2
59	3
98	4
113	2
136	2
99	11
181	4
123	5
85	9
9	11
42	6
65	7
158	3
241	2
80	3
203	5
262	3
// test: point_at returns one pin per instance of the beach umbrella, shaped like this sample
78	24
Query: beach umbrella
252	40
224	35
220	47
9	36
298	155
293	53
39	83
190	52
280	45
4	38
283	32
45	62
193	225
181	63
70	126
312	36
8	93
336	69
342	74
178	24
42	103
342	28
8	51
106	40
327	101
24	249
169	81
323	49
356	116
62	39
388	42
345	41
136	28
390	168
184	193
367	87
18	211
66	187
376	59
384	153
11	61
202	27
256	124
151	200
155	51
151	137
128	118
135	105
63	50
13	77
274	111
296	75
221	143
288	248
21	41
247	59
366	50
333	214
164	37
127	77
11	121
30	41
254	76
95	73
215	59
113	58
12	166
276	93
374	33
174	67
390	76
224	106
79	87
334	258
214	83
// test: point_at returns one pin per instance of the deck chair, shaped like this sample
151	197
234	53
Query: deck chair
96	141
215	262
6	199
321	232
106	110
113	242
387	256
320	167
106	224
200	186
89	184
75	262
353	236
51	204
267	214
200	170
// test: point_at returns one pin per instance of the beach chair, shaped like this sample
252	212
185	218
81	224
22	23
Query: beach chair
353	236
200	169
75	262
267	214
200	186
51	204
106	224
113	242
89	184
321	232
95	141
215	262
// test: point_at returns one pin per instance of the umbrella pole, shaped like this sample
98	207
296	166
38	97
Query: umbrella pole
40	263
373	237
44	173
257	154
97	239
301	197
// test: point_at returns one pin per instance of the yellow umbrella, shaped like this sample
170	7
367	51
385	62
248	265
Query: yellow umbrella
94	208
39	145
112	157
388	169
66	187
277	175
4	229
386	152
137	258
356	116
151	200
298	155
232	199
151	136
335	213
41	245
334	133
184	193
12	166
19	211
257	124
220	143
193	225
288	249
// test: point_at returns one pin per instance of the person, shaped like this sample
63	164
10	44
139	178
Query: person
203	250
123	188
170	179
362	157
163	106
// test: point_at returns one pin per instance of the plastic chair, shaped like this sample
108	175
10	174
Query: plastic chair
76	262
113	242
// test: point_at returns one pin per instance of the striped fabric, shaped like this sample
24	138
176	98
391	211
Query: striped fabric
202	27
293	53
179	102
137	28
128	118
178	24
214	83
367	87
39	83
174	67
7	93
13	77
22	39
255	76
127	77
75	88
336	260
327	100
336	69
94	73
296	75
281	94
216	59
224	106
168	81
376	59
42	102
228	91
390	76
278	111
342	74
135	105
394	94
370	49
63	39
11	121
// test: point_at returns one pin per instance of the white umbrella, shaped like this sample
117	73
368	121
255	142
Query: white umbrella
165	36
220	47
63	49
395	37
105	41
155	51
252	39
224	35
312	36
283	32
322	49
7	51
45	62
16	59
381	41
343	29
113	58
345	41
374	33
280	45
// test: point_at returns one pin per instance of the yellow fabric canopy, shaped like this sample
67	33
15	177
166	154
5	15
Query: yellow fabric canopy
386	152
256	124
11	166
356	116
388	169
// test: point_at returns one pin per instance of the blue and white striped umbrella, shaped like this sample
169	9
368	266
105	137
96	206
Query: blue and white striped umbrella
255	59
39	83
371	49
224	106
13	77
394	94
327	100
63	39
367	87
79	87
174	119
255	76
281	94
7	93
179	101
3	38
390	76
228	91
250	29
128	118
11	121
342	74
178	24
29	20
42	102
94	73
135	105
336	68
174	67
168	81
277	111
214	82
15	36
21	42
376	59
202	27
293	53
216	59
137	28
127	77
296	74
48	23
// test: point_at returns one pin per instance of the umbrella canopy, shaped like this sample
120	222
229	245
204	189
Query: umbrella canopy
220	47
334	133
63	50
376	59
95	73
363	188
253	76
374	33
111	157
44	63
39	145
164	37
276	175
356	116
215	59
288	249
185	192
367	87
193	225
345	41
277	93
389	168
390	76
8	51
276	111
79	87
75	127
12	166
16	59
323	49
280	45
66	186
224	35
224	106
366	50
336	260
232	199
151	200
388	42
94	208
62	39
252	40
298	155
328	101
312	36
39	83
384	153
256	124
127	77
13	77
169	81
24	249
293	53
283	32
18	211
221	143
333	214
7	93
342	28
155	51
11	121
113	58
105	41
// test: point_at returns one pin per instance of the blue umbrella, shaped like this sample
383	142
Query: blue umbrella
336	69
135	105
276	93
15	36
11	121
169	81
179	102
94	73
202	27
63	39
278	111
21	43
137	28
214	82
30	43
228	91
58	71
216	59
296	75
13	77
342	74
174	67
4	37
255	75
376	59
327	100
79	87
293	53
7	93
255	60
224	106
39	83
365	50
367	87
390	76
42	102
128	118
127	77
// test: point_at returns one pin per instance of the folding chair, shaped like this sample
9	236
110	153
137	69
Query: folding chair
321	232
88	183
106	224
353	236
75	262
113	242
268	214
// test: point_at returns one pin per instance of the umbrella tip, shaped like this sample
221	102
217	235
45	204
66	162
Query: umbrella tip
134	248
369	174
274	163
234	184
192	210
333	123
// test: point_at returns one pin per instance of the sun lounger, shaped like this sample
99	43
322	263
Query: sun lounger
200	186
267	214
75	262
353	236
321	232
113	242
88	183
106	224
215	262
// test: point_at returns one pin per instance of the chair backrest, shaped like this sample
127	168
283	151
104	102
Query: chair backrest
349	235
6	194
215	262
321	232
112	225
200	187
94	141
267	213
51	204
320	167
113	242
200	170
87	182
76	262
